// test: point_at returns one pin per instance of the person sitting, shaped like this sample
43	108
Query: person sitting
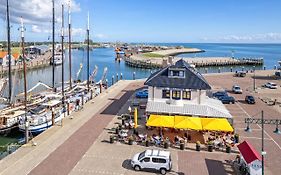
177	140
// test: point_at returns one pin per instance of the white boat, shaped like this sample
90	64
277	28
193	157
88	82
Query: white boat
40	117
9	120
58	59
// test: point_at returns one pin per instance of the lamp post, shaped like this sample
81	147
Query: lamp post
263	153
254	78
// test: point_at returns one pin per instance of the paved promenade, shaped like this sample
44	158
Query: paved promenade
65	145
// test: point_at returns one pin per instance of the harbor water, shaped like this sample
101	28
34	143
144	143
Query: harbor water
105	57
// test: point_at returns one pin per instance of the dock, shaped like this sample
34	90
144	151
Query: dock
152	63
39	62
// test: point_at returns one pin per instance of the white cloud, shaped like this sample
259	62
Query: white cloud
100	36
77	31
266	37
35	12
35	29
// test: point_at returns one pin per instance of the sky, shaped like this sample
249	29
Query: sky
177	21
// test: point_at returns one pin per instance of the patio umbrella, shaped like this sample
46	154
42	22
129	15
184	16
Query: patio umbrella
216	124
184	122
136	117
160	121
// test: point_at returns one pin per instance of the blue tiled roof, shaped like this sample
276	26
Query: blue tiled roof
192	80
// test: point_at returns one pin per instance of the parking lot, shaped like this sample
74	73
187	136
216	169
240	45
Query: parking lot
241	110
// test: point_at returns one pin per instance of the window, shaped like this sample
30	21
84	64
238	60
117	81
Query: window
158	160
177	73
165	93
186	95
146	159
176	95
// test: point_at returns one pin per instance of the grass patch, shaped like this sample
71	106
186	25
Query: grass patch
153	55
5	141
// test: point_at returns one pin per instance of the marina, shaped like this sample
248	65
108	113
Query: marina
76	99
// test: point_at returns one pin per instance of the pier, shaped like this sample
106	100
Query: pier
151	63
40	61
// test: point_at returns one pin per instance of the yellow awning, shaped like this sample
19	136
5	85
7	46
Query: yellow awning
184	122
216	124
160	121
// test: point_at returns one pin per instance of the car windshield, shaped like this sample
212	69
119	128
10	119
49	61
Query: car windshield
142	154
251	97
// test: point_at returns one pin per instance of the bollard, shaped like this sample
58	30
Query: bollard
117	77
134	75
68	108
112	81
231	69
121	76
106	83
91	94
82	98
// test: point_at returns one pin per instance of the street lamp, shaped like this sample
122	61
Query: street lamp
254	78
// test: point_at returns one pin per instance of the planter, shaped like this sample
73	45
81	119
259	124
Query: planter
111	139
147	143
228	149
198	147
166	145
182	145
210	148
130	142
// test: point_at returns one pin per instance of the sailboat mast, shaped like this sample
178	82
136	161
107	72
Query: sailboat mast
69	44
62	51
24	78
53	47
9	52
88	53
24	65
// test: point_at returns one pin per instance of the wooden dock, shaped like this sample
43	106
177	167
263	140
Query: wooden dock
41	61
151	63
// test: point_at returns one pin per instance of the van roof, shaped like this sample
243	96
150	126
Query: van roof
159	153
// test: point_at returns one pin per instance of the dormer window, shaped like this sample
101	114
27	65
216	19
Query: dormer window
177	74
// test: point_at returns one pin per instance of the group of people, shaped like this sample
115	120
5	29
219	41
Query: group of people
221	139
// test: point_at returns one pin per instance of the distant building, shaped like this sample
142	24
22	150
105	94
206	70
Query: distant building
181	90
36	50
4	61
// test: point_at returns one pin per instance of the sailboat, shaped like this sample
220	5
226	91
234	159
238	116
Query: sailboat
49	111
9	116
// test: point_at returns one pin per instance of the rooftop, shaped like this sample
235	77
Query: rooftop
192	78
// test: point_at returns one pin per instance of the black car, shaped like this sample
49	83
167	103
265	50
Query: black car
219	94
250	99
227	99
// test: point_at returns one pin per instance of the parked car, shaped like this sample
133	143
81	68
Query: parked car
219	94
250	99
271	85
227	99
153	160
240	73
236	89
142	94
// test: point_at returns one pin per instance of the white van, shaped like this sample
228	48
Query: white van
152	159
